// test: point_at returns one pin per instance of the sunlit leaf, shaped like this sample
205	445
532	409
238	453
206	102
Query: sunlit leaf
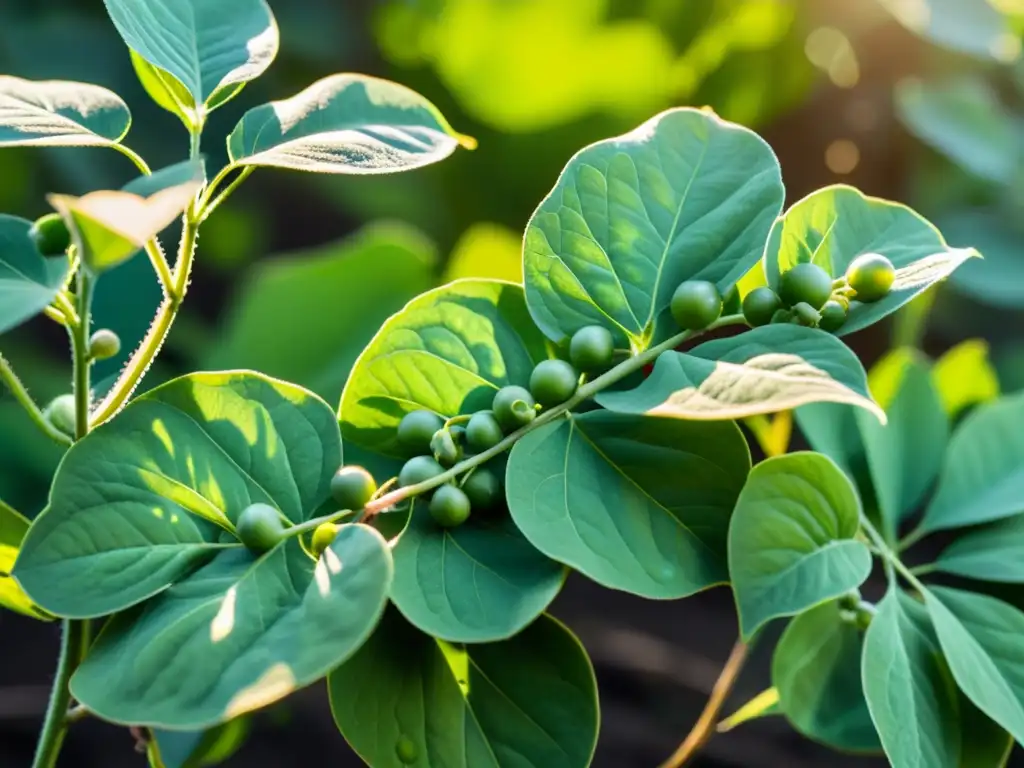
976	27
56	113
13	527
487	250
964	377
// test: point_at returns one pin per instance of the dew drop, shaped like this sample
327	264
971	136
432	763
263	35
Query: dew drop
406	750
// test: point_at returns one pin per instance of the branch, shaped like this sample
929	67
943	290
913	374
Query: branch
22	396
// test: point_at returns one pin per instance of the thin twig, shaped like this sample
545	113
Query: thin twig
21	394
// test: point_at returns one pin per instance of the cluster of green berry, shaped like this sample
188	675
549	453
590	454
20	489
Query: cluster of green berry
809	296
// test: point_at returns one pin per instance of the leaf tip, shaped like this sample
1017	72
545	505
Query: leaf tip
465	141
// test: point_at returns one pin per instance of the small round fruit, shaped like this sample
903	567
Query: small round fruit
696	304
61	414
352	487
833	315
806	314
513	407
483	488
553	382
483	431
449	506
419	469
805	282
323	537
50	234
416	429
259	527
443	446
592	348
871	275
760	305
104	344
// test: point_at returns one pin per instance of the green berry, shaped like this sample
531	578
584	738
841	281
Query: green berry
807	283
443	446
806	314
553	382
760	305
50	234
833	315
696	304
259	527
352	487
483	431
591	348
323	537
61	414
449	506
871	275
104	344
483	488
416	429
513	407
419	469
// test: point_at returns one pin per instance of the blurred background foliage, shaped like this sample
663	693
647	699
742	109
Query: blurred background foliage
914	100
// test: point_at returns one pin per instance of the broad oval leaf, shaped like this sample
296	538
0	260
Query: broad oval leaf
991	553
13	527
791	539
834	225
237	634
816	669
684	196
201	749
144	499
109	227
632	502
54	113
346	124
976	27
28	280
210	48
980	637
408	699
765	370
476	583
905	454
165	90
447	351
983	477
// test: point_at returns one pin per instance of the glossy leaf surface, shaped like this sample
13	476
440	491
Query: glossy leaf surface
55	113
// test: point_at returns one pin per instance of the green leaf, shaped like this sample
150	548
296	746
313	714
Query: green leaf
831	429
179	174
210	49
791	540
346	124
816	669
487	250
765	370
905	454
910	694
980	637
964	120
992	553
632	502
143	500
321	307
199	749
407	699
834	225
165	90
684	196
964	377
13	527
983	477
476	583
975	27
54	113
764	704
447	351
28	280
237	634
998	279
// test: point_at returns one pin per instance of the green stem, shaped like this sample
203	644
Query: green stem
134	157
584	393
151	344
80	349
72	649
206	207
160	266
890	558
21	394
316	522
924	570
912	538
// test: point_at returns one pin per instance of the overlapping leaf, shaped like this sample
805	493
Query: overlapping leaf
146	498
28	280
992	553
13	528
55	113
633	502
346	124
684	196
407	699
834	225
765	370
